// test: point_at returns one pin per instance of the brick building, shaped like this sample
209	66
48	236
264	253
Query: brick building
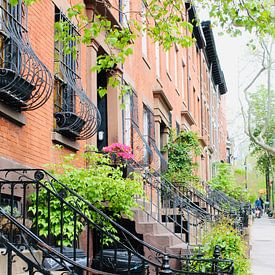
182	88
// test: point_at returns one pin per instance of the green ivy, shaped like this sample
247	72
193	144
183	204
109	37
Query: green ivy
99	183
181	150
233	246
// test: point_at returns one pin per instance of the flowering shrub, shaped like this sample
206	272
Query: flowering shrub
120	150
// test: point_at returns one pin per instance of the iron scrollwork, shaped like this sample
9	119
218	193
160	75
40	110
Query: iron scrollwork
25	82
75	115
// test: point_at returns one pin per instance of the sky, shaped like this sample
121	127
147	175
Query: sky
239	67
233	55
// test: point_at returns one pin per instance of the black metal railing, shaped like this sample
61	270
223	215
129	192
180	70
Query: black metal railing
166	204
199	198
25	252
214	266
25	82
76	116
45	200
222	200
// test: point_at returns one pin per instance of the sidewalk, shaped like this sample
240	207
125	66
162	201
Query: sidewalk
262	241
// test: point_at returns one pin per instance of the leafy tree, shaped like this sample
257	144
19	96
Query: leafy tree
259	113
226	182
249	15
259	116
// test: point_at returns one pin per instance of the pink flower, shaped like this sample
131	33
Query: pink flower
121	150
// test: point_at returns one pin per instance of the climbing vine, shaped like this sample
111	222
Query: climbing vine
181	151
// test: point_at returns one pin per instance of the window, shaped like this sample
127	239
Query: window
177	128
124	12
183	80
127	125
148	131
130	116
144	31
157	59
167	61
66	66
9	15
176	65
25	82
17	88
170	119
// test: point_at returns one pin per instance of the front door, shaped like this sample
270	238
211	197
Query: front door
102	135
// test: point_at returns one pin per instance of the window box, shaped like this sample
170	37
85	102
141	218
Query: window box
69	124
14	89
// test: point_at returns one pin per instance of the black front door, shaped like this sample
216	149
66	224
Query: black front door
102	135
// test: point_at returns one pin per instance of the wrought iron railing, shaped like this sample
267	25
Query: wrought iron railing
214	266
199	198
77	117
225	202
96	238
166	204
25	82
25	252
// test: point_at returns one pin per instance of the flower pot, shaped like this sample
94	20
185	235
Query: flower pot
69	124
14	89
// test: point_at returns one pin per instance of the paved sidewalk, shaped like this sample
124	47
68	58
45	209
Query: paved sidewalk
263	246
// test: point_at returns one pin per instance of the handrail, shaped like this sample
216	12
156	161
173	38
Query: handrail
37	180
198	194
41	176
32	243
184	199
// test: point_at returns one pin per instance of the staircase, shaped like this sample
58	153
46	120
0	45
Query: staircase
29	250
168	219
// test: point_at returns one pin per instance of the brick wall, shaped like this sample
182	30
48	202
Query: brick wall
184	90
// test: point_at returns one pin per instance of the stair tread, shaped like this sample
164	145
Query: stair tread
180	245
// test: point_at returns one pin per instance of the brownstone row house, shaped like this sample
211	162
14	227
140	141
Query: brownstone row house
48	98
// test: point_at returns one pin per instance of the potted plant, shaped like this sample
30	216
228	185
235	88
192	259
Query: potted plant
119	154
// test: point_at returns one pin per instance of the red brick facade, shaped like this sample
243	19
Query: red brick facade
181	87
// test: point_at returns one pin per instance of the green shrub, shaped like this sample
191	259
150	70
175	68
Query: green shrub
226	182
232	245
99	183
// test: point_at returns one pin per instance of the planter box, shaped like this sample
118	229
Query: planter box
14	89
69	124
